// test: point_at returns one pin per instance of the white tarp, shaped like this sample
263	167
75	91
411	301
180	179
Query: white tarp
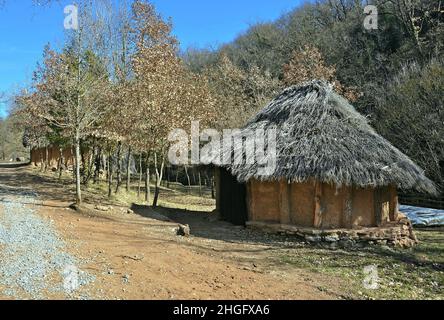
423	217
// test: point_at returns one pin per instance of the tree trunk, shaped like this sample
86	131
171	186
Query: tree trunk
106	166
140	174
110	175
73	152
42	160
61	164
119	166
84	166
128	170
98	166
46	159
188	178
77	170
89	171
147	180
159	176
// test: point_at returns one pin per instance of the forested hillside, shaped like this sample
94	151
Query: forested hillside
11	146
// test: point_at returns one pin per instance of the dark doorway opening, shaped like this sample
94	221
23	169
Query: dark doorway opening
233	203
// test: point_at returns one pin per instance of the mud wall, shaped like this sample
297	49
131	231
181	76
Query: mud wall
263	200
52	155
302	204
321	206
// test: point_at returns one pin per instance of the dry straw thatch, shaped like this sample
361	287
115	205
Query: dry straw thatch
321	136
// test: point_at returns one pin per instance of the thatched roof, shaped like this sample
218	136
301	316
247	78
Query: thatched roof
321	136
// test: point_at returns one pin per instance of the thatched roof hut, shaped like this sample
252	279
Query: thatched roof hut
332	169
321	136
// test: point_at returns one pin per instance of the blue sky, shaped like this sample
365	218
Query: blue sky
25	29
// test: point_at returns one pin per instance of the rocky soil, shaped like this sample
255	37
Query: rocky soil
35	261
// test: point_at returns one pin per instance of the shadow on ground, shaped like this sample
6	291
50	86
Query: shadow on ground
205	225
11	165
20	180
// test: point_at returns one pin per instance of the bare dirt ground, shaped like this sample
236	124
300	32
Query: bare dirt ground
139	255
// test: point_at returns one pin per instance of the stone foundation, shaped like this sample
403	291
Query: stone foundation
399	233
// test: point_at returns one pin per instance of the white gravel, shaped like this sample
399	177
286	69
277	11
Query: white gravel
33	257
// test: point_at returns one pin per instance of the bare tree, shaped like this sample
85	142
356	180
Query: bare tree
239	93
70	89
308	64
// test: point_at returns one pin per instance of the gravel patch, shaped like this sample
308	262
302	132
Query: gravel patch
34	261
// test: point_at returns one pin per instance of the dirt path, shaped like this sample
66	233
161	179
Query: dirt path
138	256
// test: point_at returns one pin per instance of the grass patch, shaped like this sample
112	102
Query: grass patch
416	273
173	197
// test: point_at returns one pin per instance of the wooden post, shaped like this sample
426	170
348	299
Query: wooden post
348	208
318	206
377	204
284	201
394	204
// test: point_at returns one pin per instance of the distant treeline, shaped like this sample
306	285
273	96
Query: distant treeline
11	147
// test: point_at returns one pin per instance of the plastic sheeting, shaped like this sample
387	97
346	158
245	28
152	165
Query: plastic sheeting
423	217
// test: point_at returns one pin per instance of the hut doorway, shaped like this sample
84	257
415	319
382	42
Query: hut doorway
233	203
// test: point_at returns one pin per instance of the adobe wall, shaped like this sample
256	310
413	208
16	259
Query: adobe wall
302	205
323	213
362	208
320	206
39	155
333	203
263	201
